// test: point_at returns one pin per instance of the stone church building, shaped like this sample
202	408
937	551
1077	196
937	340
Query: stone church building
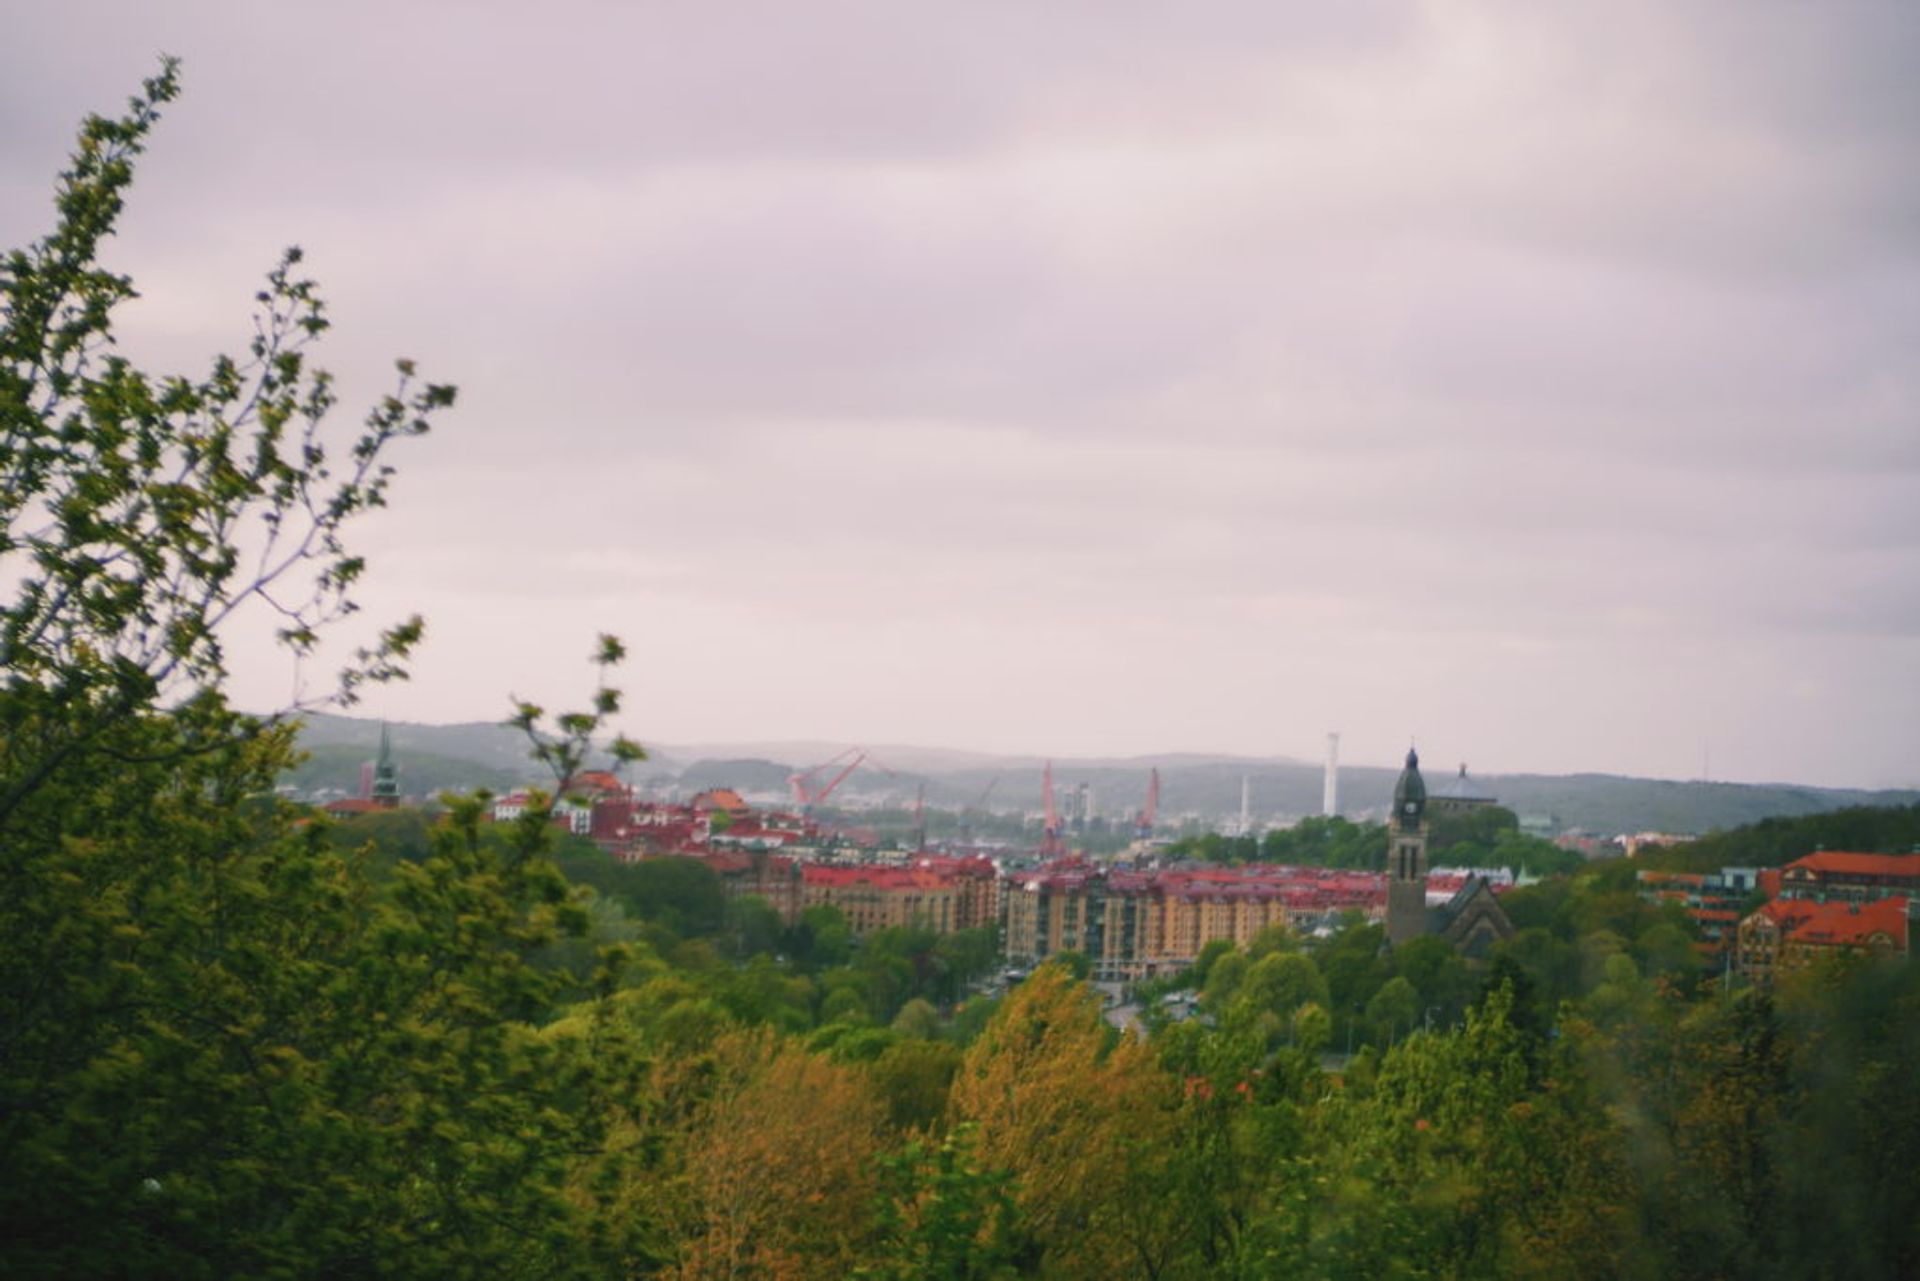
1472	920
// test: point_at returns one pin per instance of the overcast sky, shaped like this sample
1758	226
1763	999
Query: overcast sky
1538	382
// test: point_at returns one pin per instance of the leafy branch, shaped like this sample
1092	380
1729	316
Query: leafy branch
564	743
141	516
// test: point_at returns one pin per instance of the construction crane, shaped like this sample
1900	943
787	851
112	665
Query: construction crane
806	796
801	781
979	805
1050	846
1143	829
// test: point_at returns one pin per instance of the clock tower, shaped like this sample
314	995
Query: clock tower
1407	856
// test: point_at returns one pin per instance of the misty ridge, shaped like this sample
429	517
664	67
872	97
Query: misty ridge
461	757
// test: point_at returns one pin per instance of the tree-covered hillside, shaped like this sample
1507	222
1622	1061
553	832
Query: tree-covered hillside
1774	841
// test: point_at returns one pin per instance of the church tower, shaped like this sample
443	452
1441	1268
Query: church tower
386	775
1407	856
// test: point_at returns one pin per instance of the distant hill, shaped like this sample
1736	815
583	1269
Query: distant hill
432	758
752	776
479	754
336	768
1772	842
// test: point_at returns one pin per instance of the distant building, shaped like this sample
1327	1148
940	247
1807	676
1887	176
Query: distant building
722	799
350	807
940	894
1790	934
1860	878
1712	899
511	806
881	898
573	813
1136	924
1633	842
1472	921
1461	794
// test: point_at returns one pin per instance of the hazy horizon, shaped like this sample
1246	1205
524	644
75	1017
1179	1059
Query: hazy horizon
1533	383
930	757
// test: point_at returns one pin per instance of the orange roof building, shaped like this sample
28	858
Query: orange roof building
350	806
1842	874
1789	934
724	799
938	893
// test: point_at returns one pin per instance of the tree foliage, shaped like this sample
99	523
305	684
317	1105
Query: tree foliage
144	518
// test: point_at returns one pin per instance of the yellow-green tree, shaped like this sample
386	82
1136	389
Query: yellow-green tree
779	1175
1081	1119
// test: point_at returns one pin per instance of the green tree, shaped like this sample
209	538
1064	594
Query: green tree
755	925
1224	978
945	1216
683	894
145	520
1210	952
1280	983
225	1048
965	956
913	1078
820	939
1477	1169
1480	827
917	1018
1394	1010
1326	842
1355	966
1074	963
1437	972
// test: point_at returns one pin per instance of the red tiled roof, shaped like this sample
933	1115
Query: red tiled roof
1846	863
1303	887
880	878
351	805
1839	924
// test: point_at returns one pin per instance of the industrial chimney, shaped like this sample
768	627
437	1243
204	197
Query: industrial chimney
1330	796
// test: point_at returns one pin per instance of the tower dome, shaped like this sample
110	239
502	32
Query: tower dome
1410	793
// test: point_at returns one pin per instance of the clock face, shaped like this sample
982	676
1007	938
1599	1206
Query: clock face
1413	807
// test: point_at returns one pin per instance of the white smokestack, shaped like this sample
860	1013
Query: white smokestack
1330	796
1246	811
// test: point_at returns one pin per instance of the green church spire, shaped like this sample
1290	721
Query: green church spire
386	775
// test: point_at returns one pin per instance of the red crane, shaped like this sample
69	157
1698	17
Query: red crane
1050	846
1143	830
806	795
